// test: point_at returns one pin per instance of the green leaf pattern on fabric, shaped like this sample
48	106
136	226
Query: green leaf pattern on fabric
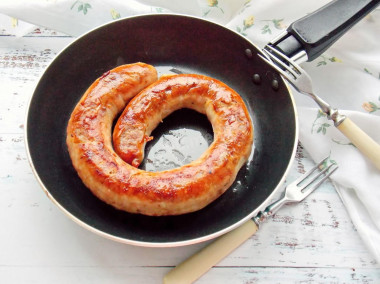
276	23
328	161
247	23
371	106
158	10
81	7
343	143
246	5
366	70
212	4
318	126
368	106
321	125
324	60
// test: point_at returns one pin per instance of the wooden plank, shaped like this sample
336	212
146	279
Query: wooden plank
10	26
282	275
22	62
153	275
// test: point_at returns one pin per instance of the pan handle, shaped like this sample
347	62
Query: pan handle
317	31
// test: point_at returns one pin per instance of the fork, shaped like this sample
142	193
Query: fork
301	81
198	264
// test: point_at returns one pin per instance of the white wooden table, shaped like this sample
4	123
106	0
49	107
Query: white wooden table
312	242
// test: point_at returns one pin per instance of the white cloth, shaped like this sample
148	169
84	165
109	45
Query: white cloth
347	76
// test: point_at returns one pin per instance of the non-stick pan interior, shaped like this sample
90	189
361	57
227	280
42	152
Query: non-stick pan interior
172	44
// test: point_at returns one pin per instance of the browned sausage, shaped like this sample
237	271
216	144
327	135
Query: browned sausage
172	192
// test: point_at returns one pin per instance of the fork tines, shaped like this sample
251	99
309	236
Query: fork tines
316	176
281	62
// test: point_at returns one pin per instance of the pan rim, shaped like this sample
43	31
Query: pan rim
142	243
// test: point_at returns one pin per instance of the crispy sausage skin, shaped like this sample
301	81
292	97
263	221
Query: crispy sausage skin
171	192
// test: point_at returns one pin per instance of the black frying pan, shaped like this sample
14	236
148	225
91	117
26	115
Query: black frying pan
173	43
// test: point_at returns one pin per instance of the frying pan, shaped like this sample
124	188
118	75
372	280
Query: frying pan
176	43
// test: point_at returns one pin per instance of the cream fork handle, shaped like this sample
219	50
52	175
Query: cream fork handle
361	140
194	267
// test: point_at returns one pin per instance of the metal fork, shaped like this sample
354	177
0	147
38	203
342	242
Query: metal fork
198	264
299	189
301	81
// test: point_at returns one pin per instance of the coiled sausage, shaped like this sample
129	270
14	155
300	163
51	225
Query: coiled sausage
171	192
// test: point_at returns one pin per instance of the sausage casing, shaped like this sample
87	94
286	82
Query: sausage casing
171	192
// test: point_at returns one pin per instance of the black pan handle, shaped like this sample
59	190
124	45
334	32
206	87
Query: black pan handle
317	31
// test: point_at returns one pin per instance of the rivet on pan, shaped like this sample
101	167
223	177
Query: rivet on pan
256	79
275	85
248	53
